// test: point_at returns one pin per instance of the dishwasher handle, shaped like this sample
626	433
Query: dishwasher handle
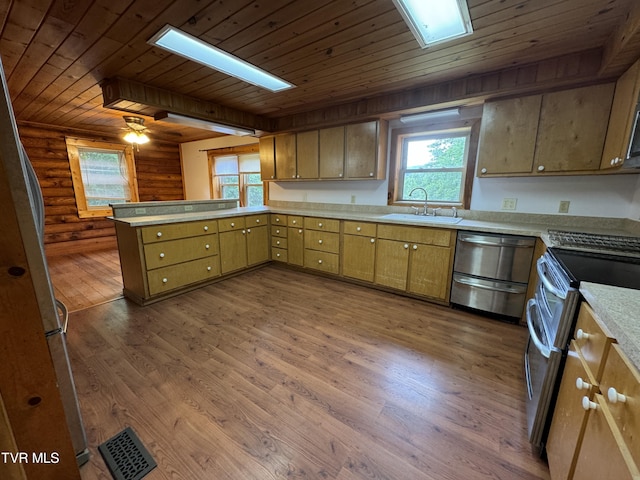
491	241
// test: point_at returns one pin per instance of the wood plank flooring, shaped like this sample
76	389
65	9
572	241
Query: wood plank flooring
82	280
279	374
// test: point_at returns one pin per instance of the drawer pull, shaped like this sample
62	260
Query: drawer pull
415	247
248	230
588	404
294	221
277	242
300	231
358	229
206	228
277	231
277	219
373	240
582	385
320	261
159	234
233	224
257	220
277	255
320	225
615	397
206	246
208	269
582	335
406	245
320	242
244	232
165	280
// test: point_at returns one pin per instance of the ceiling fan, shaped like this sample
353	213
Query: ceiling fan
136	134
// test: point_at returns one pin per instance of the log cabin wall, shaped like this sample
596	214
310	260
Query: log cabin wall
159	178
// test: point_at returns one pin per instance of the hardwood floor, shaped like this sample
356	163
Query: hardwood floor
82	280
279	374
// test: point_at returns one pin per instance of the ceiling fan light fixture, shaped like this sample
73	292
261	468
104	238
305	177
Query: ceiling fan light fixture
192	48
202	124
136	137
435	21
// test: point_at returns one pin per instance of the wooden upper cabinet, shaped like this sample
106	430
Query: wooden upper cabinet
621	119
331	152
556	133
285	147
508	135
267	158
366	150
572	129
307	150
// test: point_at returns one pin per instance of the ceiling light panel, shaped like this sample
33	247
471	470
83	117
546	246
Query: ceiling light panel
202	124
435	21
176	41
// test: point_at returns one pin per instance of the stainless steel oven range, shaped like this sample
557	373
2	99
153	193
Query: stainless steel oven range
551	313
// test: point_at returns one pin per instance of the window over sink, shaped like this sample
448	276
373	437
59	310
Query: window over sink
438	158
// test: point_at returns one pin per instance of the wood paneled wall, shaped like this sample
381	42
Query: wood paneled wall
159	179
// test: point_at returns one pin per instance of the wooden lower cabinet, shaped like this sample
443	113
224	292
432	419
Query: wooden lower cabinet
359	257
258	248
165	279
415	260
233	251
295	246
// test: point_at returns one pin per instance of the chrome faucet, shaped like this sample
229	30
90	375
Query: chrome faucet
425	212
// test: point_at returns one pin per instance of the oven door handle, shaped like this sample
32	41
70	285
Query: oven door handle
546	282
541	347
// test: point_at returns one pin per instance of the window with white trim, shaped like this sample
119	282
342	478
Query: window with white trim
102	174
237	177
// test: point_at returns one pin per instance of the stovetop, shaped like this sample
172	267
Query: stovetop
599	242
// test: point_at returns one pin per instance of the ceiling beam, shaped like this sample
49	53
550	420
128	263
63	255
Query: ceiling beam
134	97
623	47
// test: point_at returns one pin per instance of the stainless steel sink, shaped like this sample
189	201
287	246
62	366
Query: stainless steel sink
409	217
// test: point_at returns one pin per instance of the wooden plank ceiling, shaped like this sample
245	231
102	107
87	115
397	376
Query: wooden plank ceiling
56	53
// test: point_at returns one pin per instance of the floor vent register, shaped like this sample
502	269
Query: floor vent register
126	457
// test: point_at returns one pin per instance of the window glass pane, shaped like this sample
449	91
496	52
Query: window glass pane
229	179
254	196
104	177
231	192
226	165
249	163
440	186
254	179
435	153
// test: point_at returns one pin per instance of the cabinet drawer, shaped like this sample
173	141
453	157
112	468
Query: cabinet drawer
359	228
279	231
163	254
232	223
295	221
324	261
325	224
256	220
175	276
171	231
621	376
323	241
278	242
279	255
593	339
428	236
277	219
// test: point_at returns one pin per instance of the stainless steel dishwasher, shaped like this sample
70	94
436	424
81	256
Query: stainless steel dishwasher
491	272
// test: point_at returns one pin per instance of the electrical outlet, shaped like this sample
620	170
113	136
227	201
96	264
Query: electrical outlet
353	199
509	203
564	206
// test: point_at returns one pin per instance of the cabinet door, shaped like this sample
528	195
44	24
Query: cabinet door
358	257
307	154
430	271
603	454
621	119
572	129
267	158
295	242
257	245
233	250
569	418
331	150
392	263
286	156
361	150
508	135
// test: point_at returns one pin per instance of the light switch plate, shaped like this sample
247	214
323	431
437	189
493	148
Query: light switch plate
509	203
564	206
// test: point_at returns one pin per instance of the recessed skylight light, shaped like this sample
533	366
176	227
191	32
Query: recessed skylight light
176	41
435	21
